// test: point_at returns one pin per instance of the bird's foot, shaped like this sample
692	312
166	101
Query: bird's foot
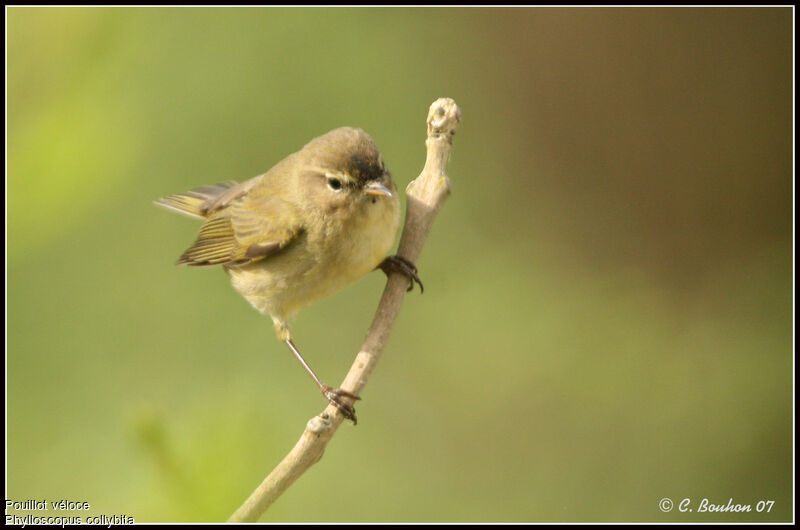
336	398
404	267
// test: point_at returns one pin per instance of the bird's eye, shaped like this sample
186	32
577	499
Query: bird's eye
335	184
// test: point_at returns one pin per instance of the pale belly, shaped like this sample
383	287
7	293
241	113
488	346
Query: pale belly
315	268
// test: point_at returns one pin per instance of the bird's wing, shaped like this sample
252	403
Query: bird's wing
248	230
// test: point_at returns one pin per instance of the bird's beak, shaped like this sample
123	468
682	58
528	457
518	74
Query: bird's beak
377	189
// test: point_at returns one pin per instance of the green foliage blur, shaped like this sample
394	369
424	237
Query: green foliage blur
607	318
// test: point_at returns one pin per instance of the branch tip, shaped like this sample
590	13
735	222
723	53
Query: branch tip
443	118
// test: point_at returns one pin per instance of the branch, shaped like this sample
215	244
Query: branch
425	195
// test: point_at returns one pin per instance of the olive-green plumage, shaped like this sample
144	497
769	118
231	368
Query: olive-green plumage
317	221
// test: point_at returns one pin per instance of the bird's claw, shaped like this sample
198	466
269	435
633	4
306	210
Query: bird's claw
335	397
403	266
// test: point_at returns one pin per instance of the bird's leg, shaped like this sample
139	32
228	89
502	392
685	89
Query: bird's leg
403	266
333	395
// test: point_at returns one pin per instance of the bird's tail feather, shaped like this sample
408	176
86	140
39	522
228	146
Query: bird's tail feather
194	202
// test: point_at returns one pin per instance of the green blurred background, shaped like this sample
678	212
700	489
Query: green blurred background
607	318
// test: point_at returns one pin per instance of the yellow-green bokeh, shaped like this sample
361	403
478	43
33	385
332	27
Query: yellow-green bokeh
607	318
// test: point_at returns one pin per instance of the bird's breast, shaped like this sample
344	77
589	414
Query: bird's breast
324	260
368	239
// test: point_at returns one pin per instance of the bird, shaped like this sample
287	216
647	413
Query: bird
316	222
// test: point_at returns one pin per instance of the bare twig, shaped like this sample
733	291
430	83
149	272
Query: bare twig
425	194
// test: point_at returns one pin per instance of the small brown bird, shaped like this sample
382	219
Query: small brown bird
316	222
